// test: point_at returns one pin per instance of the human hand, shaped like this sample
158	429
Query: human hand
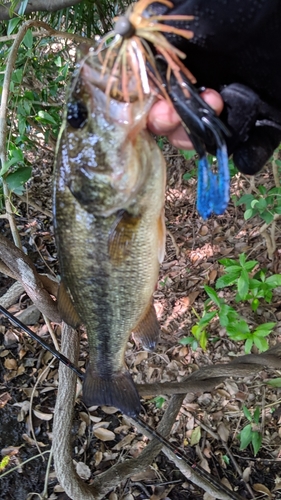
164	120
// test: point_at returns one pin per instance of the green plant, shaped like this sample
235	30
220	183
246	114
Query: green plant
251	434
252	289
236	327
265	204
159	401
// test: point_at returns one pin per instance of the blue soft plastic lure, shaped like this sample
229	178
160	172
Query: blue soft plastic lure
213	187
203	127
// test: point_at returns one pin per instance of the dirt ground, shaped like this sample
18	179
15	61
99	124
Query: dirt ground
208	424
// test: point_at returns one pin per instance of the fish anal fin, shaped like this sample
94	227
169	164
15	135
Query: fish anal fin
161	237
147	331
116	390
66	308
122	236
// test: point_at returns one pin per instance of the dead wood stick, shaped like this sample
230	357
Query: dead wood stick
24	271
207	377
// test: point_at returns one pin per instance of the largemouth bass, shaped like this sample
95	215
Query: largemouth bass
109	226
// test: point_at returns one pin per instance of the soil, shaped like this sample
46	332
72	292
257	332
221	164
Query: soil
209	424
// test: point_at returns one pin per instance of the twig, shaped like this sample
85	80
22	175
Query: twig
33	204
275	168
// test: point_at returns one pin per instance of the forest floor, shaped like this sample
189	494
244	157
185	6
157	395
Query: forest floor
208	424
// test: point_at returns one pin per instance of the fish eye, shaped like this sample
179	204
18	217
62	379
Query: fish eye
77	114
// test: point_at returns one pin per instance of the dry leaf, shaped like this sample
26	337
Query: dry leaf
42	415
113	496
141	356
104	434
204	230
195	436
223	432
246	474
83	470
260	488
10	364
124	442
109	410
4	398
98	458
85	417
94	419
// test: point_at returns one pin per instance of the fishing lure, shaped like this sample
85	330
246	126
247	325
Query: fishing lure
137	47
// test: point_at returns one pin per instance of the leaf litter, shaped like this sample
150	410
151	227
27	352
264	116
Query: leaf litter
208	424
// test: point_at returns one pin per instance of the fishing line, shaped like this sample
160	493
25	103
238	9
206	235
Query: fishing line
36	337
181	455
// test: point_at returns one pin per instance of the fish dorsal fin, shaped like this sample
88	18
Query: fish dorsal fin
122	236
161	237
66	308
147	330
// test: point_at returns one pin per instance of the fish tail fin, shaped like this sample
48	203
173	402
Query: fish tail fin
116	390
147	331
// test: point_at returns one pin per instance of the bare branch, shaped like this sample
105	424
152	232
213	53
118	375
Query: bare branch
37	6
24	271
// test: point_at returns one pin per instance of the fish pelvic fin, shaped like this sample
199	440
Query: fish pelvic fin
122	236
147	331
116	390
66	308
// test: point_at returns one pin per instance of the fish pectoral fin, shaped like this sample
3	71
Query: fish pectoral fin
161	237
66	308
116	390
122	235
147	331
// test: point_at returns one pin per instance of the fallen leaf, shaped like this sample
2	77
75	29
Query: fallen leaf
124	442
260	488
104	434
10	364
4	398
42	415
195	436
109	410
83	470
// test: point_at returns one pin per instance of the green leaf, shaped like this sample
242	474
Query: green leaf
267	216
205	320
255	304
243	284
228	279
240	329
264	329
248	345
261	343
248	214
274	280
17	179
256	416
274	382
45	117
256	441
246	436
228	262
12	25
213	295
247	413
28	39
249	266
245	199
187	154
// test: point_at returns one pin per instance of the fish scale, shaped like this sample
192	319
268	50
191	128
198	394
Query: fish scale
109	226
